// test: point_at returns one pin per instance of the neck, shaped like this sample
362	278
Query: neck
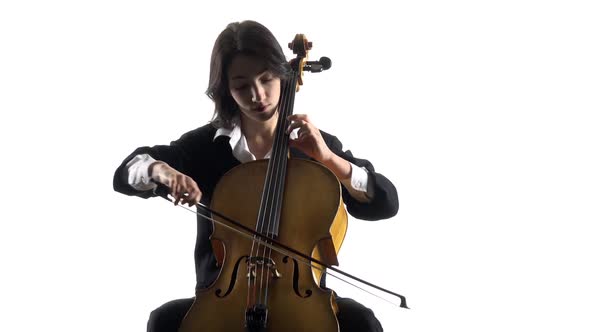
259	131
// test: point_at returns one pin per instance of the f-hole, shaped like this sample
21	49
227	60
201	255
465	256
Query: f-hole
308	292
232	282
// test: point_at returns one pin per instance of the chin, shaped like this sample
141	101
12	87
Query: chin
265	115
257	116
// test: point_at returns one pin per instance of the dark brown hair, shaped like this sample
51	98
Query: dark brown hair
248	38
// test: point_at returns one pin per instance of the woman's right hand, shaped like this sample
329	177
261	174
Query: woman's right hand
183	188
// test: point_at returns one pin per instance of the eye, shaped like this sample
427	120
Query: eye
266	79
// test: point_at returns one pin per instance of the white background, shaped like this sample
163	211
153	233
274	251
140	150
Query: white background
474	109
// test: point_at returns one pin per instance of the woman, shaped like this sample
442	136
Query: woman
247	68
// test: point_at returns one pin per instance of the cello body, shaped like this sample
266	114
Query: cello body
313	221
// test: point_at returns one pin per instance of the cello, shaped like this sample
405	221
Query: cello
270	282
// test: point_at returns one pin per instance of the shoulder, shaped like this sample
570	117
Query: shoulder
199	135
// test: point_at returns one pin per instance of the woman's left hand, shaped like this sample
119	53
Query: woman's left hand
310	140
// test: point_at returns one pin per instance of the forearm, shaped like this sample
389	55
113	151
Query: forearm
339	166
355	179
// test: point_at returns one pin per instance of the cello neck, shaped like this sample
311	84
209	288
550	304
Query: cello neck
274	185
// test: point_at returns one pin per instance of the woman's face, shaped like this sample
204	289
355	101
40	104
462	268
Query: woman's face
254	88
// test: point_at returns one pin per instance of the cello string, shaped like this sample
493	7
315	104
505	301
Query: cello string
402	298
264	223
281	139
271	199
267	218
276	173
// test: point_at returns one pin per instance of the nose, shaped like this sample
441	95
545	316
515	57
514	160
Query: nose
257	92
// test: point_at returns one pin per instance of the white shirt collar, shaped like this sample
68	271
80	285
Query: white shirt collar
238	142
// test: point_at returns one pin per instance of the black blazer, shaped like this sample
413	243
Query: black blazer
206	160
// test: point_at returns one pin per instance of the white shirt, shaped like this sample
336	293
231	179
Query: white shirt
358	185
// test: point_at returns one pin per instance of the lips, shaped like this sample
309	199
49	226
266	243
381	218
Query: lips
260	108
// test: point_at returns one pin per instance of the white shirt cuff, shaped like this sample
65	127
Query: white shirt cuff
359	186
137	168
